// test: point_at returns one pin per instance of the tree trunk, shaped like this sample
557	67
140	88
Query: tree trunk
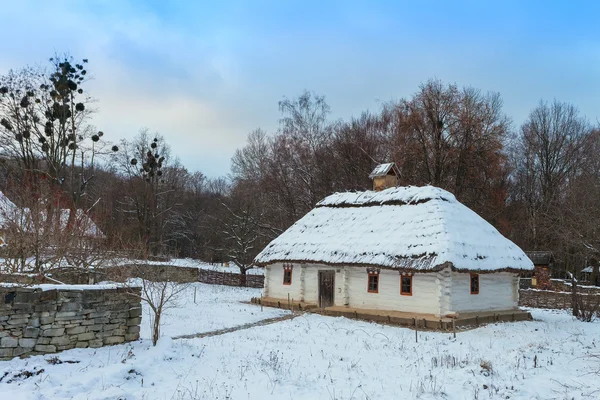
574	296
156	328
243	277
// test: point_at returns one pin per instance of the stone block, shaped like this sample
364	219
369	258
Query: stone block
135	312
60	340
130	337
34	322
31	332
76	330
109	327
18	320
23	307
65	347
26	297
63	314
133	329
19	351
69	319
45	307
114	340
103	320
44	340
48	295
81	345
94	328
100	314
52	332
6	352
27	342
96	343
87	322
4	334
9	341
134	321
46	320
69	307
86	336
45	348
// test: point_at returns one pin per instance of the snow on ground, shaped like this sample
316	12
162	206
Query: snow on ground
179	262
216	307
193	263
317	357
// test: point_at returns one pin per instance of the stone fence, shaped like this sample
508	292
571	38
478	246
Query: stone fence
150	272
37	321
230	279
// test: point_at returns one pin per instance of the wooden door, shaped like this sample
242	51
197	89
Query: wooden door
326	288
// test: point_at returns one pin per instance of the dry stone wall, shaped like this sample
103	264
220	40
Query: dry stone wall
230	279
33	321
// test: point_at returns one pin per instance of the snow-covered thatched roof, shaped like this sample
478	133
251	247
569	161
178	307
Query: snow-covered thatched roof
418	228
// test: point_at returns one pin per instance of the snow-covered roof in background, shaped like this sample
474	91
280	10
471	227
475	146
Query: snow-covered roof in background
419	228
83	223
7	209
381	170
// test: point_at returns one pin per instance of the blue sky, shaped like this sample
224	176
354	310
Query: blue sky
205	73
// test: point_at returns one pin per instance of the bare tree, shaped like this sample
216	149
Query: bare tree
160	297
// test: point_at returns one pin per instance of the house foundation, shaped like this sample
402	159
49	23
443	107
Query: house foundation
399	318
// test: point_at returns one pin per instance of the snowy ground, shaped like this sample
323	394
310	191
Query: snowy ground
316	357
216	307
192	263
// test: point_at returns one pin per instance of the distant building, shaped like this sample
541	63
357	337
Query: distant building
542	261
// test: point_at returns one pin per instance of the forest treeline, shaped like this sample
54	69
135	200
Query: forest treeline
537	183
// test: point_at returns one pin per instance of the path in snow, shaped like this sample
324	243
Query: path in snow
218	332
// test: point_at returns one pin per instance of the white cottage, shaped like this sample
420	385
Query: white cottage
411	249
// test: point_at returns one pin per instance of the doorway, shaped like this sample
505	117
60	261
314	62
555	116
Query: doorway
326	288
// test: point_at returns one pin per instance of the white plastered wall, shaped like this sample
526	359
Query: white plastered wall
274	286
437	293
497	292
425	298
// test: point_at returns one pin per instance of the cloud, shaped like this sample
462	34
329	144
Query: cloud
204	74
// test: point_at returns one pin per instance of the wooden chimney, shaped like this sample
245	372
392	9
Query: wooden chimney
384	176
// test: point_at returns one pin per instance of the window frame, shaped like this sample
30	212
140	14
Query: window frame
376	276
402	292
471	276
287	271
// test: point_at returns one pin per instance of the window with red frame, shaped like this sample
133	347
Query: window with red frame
287	274
406	285
373	284
474	283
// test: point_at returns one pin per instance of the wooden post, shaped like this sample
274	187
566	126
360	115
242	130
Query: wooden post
261	305
454	328
416	331
289	302
194	295
292	305
477	320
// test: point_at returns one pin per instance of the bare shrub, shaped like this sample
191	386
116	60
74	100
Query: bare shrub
586	307
486	367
